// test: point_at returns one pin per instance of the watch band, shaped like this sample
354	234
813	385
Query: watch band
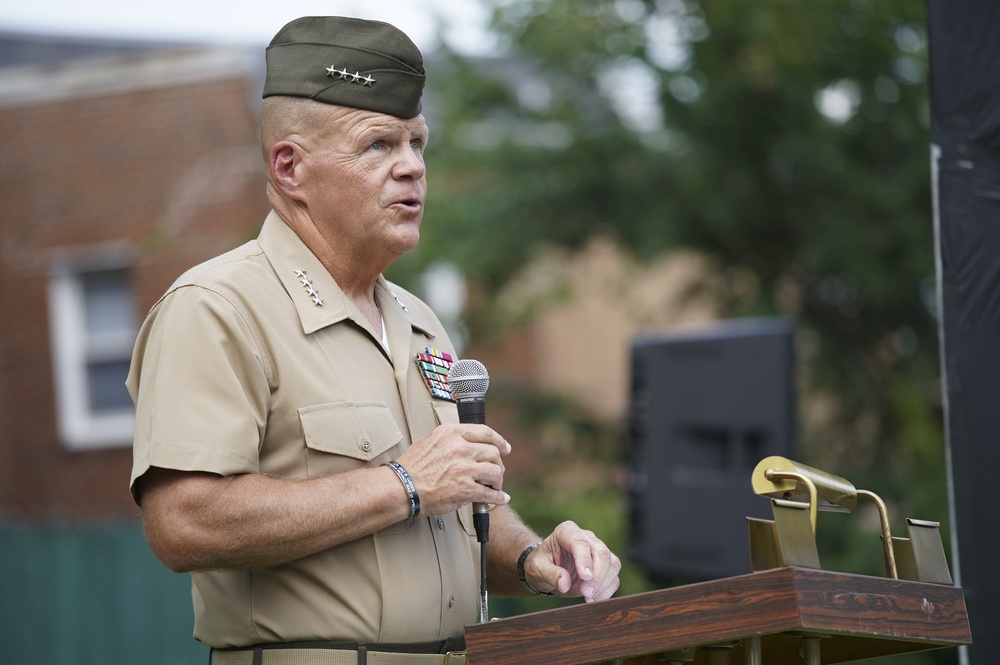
520	570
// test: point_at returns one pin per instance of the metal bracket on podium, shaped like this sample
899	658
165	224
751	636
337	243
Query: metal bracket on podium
921	557
790	540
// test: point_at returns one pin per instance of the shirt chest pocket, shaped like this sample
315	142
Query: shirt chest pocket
445	412
346	435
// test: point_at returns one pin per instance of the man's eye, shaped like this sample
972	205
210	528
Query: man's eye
417	145
376	145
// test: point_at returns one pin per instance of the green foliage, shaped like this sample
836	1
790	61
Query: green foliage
786	141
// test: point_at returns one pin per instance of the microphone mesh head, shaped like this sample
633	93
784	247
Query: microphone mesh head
468	378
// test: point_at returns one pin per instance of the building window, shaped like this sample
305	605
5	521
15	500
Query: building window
93	330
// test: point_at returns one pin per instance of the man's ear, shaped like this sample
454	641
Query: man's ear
284	162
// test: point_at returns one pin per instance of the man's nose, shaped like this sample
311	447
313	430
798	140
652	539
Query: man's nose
410	165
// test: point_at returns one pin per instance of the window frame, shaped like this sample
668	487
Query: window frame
79	426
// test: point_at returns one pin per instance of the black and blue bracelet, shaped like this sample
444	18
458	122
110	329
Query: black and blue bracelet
408	485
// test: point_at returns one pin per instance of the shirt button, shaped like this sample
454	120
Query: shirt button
440	523
366	445
451	601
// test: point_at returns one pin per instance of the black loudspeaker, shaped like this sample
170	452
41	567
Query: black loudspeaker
706	406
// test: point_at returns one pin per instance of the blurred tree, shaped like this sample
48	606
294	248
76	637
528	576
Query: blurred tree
786	141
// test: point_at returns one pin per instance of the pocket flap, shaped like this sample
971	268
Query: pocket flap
362	430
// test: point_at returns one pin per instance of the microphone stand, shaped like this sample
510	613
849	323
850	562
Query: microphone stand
481	520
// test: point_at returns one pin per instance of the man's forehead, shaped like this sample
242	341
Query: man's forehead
357	121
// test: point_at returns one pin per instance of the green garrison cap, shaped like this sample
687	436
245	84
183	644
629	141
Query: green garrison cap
346	61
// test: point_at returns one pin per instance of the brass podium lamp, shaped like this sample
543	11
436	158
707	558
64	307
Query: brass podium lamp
790	540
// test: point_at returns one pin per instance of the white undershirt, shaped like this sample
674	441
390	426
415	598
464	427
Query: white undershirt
385	338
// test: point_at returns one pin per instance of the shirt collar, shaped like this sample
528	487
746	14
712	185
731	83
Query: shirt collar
318	299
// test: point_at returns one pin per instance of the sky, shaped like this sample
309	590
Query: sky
243	22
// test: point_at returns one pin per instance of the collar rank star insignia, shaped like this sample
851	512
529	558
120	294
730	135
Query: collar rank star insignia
434	366
399	302
308	286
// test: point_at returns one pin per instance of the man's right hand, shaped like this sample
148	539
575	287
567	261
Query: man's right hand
456	465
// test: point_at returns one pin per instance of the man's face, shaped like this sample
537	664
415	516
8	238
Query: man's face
364	182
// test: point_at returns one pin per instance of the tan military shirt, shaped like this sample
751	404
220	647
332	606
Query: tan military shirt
255	362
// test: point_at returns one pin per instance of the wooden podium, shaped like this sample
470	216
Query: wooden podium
771	617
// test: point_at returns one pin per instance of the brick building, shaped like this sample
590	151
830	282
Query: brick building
118	172
121	166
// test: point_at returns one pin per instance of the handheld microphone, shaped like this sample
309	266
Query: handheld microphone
469	380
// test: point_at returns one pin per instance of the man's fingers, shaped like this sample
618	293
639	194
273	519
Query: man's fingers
458	464
490	475
485	435
605	581
590	566
605	592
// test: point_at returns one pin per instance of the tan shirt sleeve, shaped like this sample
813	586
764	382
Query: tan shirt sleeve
201	387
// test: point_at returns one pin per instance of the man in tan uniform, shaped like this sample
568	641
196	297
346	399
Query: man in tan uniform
288	452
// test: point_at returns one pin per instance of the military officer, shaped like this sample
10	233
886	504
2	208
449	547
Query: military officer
289	453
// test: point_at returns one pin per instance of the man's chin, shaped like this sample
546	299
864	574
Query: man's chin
405	241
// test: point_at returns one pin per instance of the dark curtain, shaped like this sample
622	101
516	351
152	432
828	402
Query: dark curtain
964	45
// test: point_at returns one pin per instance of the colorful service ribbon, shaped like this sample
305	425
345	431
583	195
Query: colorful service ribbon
434	366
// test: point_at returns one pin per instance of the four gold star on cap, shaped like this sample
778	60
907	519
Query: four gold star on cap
356	77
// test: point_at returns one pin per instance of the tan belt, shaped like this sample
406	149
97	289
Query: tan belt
302	656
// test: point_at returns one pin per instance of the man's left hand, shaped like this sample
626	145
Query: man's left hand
573	562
